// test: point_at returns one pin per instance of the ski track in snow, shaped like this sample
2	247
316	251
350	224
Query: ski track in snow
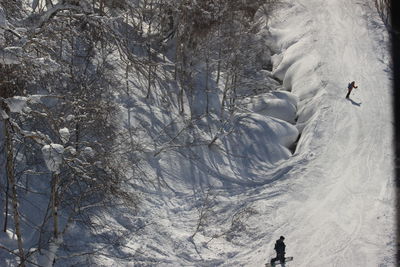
344	216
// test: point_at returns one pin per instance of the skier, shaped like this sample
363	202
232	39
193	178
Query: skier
350	87
280	251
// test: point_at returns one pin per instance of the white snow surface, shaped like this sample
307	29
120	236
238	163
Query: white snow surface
88	151
64	134
52	154
338	208
333	199
278	104
19	104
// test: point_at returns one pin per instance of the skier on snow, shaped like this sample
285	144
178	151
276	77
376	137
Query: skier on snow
280	251
350	87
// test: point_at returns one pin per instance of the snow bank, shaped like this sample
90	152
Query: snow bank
298	64
273	134
252	142
278	104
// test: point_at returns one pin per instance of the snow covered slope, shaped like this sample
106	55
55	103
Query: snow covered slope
333	199
340	208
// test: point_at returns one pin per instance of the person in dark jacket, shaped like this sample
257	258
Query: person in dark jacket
280	251
350	87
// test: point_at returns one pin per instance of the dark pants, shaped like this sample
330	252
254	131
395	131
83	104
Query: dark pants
348	94
279	257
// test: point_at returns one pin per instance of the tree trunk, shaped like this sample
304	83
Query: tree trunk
233	92
226	89
54	204
207	79
6	180
129	106
149	54
149	71
219	61
14	199
77	136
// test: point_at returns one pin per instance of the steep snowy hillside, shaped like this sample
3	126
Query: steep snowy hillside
333	199
195	133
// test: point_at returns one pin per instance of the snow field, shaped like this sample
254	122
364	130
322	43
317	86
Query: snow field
225	205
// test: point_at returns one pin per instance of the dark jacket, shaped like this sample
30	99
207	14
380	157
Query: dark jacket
280	247
351	86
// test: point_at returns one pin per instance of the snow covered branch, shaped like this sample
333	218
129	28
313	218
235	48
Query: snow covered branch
52	12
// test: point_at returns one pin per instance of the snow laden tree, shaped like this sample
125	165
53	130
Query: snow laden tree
217	53
214	38
58	135
214	49
65	64
197	37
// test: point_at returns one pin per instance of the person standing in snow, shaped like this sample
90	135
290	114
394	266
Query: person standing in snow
350	87
280	251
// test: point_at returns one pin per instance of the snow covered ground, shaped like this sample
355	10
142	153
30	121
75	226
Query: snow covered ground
295	158
339	210
333	199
